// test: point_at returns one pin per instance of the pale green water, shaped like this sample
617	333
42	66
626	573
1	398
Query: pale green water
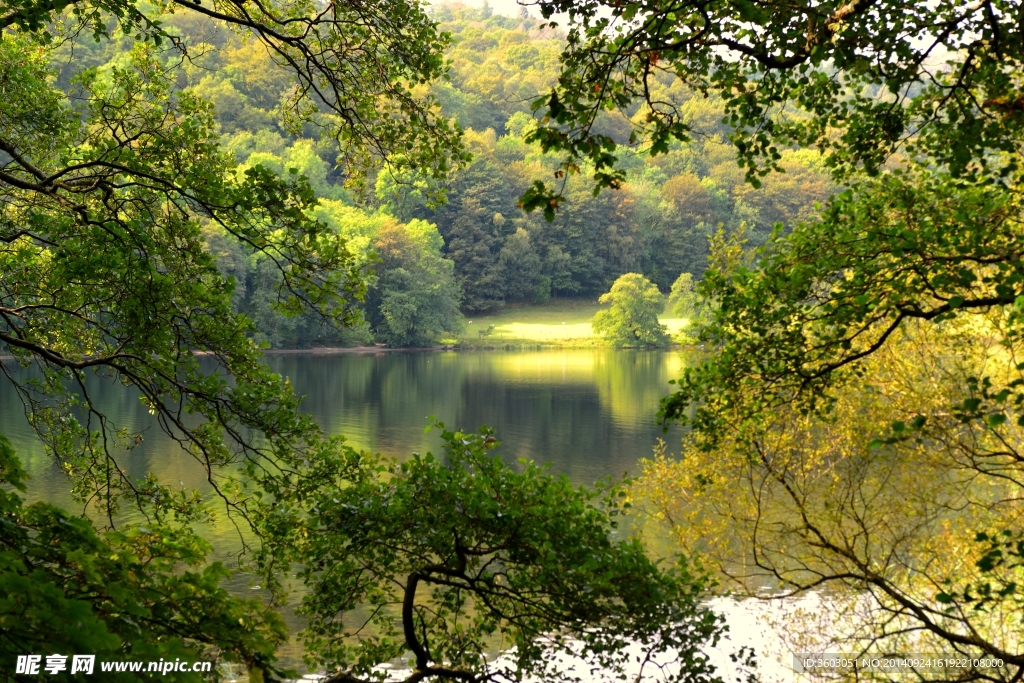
590	413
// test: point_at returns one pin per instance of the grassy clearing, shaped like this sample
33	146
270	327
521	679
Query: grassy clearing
562	321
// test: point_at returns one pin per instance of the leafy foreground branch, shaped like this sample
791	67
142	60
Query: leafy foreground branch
914	533
140	593
452	561
864	82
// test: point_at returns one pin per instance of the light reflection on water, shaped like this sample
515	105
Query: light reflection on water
590	413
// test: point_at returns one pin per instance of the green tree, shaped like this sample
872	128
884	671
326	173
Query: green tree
632	317
473	236
689	304
691	198
521	265
142	592
927	232
451	547
414	299
858	76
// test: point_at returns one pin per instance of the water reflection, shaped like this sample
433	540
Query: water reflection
589	412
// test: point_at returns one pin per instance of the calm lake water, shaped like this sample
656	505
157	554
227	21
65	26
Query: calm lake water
590	413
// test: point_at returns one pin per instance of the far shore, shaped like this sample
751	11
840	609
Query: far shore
330	350
557	324
322	350
500	346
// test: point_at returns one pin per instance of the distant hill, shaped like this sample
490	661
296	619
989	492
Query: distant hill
657	224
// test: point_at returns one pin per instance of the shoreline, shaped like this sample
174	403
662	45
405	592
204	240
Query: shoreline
332	350
525	345
321	350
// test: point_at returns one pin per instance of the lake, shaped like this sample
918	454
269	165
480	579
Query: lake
590	413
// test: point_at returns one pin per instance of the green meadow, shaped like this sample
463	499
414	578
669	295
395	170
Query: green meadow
564	322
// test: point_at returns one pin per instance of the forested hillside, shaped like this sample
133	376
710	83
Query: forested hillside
478	250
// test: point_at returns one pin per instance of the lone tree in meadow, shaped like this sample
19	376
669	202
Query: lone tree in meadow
632	319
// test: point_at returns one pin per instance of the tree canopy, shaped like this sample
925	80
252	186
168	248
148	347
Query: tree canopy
143	593
688	304
915	110
859	81
353	68
657	224
475	556
631	318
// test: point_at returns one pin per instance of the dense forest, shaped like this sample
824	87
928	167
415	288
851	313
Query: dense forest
477	250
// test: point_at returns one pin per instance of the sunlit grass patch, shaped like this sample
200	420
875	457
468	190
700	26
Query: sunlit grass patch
556	321
543	332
